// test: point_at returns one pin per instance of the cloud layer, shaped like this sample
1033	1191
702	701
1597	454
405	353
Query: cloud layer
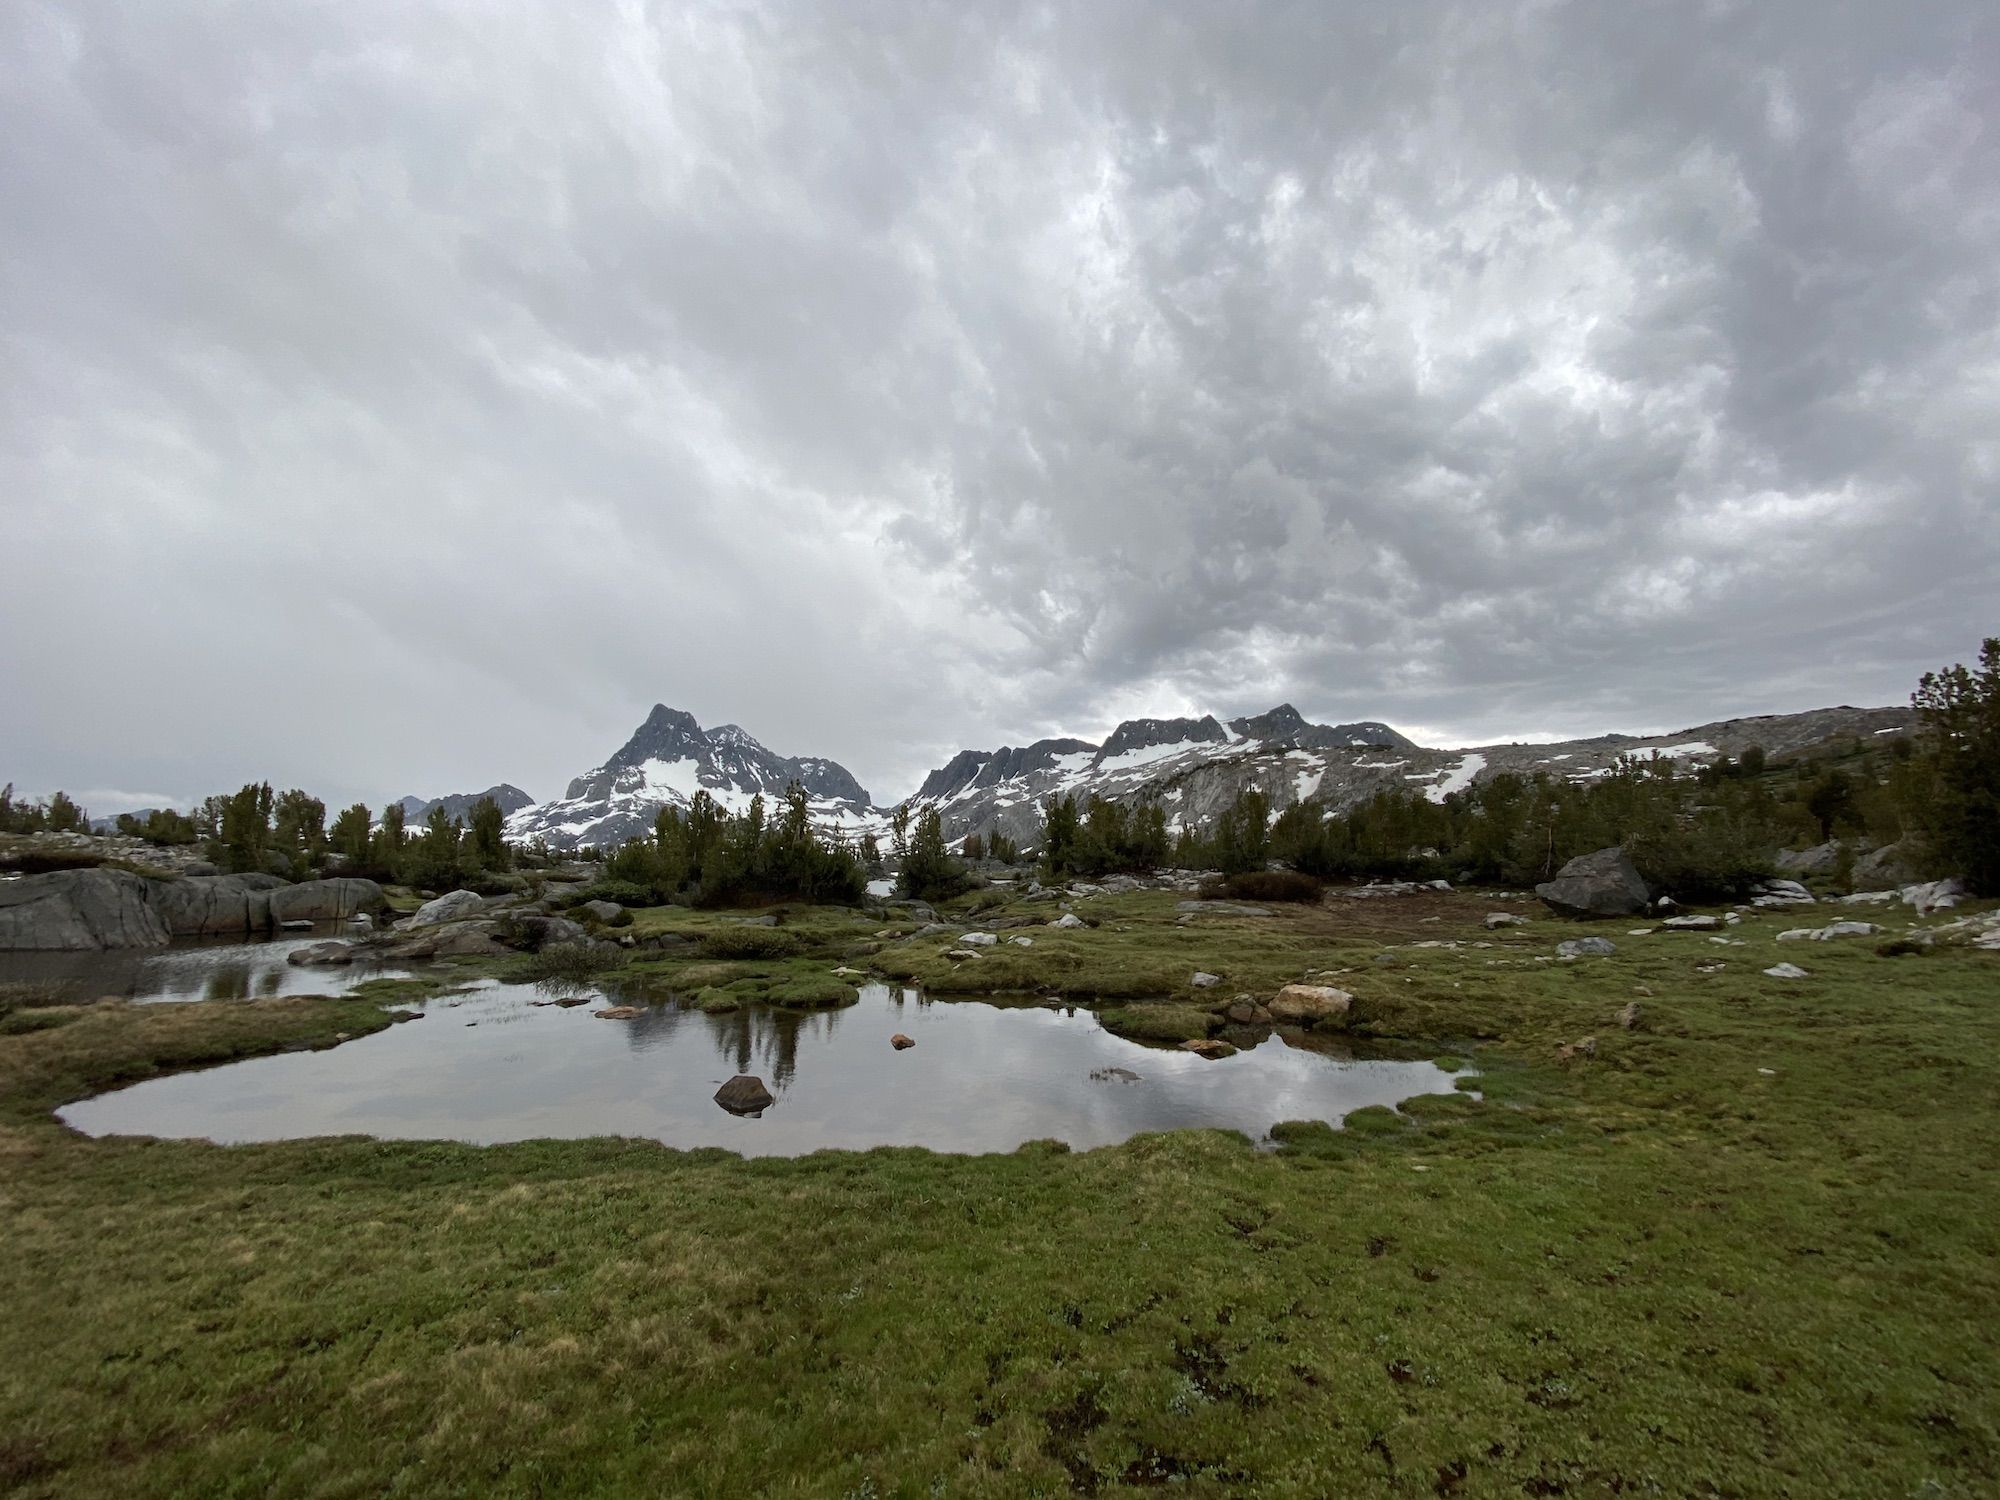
403	399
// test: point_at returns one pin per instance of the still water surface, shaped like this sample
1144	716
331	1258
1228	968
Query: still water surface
492	1065
198	969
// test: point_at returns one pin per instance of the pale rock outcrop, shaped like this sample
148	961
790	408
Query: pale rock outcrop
78	911
325	900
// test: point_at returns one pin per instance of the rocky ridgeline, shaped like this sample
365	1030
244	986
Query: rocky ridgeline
1197	767
509	798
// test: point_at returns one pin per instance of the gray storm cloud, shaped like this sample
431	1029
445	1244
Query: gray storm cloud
405	398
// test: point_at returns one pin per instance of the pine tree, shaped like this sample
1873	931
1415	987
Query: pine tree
1958	768
489	843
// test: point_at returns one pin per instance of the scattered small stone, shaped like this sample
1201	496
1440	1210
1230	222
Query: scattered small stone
1498	919
1203	981
1591	947
1583	1047
977	940
1828	932
959	955
1244	1011
1693	924
1786	971
1068	919
1024	942
1768	1072
1629	1017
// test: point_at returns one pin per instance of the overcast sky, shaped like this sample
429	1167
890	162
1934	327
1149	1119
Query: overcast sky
402	398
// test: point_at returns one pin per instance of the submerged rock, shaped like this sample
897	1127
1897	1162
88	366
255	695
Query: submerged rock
1604	884
744	1094
902	1043
323	953
618	1013
1208	1047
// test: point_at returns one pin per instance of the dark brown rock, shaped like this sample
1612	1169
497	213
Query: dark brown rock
744	1094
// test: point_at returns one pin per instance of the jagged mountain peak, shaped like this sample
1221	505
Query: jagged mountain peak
1150	734
1272	724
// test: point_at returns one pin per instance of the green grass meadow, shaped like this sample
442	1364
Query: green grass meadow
1749	1246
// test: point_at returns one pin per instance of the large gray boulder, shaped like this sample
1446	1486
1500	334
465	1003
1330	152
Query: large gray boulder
449	907
1889	868
213	905
1821	859
325	900
1603	884
535	930
79	910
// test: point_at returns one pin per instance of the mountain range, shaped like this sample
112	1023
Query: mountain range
510	798
1195	767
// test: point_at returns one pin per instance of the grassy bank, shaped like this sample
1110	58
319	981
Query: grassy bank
1745	1247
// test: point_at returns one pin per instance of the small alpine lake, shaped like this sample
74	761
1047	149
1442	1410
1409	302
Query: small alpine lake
499	1062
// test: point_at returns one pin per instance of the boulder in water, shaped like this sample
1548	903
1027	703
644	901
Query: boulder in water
79	911
744	1094
325	900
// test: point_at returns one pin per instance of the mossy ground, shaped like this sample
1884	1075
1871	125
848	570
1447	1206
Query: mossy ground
1750	1247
